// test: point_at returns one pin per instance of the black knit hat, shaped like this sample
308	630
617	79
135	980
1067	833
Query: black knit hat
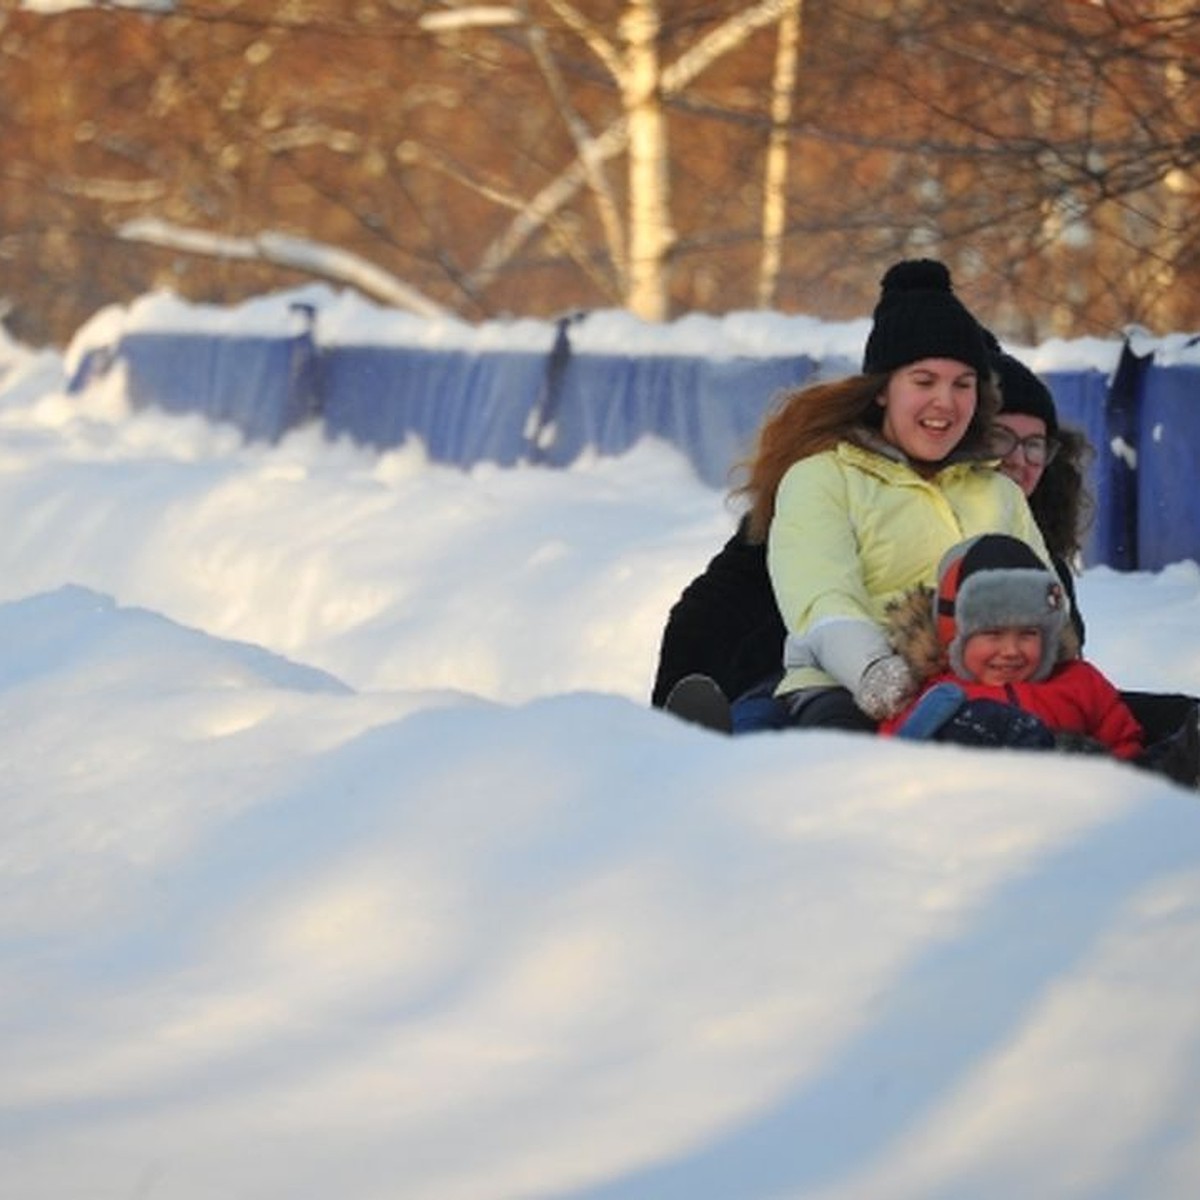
919	316
995	580
1021	391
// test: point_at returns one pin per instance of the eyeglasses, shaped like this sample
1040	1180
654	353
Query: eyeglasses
1038	450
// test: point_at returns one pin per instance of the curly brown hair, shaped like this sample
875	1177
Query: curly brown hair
1061	504
811	419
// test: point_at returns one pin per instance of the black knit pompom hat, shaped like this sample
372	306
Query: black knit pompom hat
919	316
1021	391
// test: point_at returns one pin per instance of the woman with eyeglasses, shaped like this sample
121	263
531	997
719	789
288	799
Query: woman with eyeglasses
1047	463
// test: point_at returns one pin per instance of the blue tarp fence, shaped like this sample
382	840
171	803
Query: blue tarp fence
510	407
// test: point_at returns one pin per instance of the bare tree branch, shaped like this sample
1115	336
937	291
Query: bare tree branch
474	16
593	165
328	262
614	139
591	36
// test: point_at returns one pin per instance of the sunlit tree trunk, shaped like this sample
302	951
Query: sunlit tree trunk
650	235
775	176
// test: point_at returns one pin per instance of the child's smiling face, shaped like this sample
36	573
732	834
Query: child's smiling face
1010	654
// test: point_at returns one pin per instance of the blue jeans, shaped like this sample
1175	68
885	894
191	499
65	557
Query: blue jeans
760	709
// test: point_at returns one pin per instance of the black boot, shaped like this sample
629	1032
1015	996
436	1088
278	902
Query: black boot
696	698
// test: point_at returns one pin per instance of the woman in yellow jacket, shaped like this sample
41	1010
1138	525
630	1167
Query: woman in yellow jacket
861	485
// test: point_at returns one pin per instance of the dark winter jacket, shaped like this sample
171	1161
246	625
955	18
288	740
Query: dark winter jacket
726	624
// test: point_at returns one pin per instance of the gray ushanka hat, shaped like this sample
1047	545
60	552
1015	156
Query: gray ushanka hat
994	580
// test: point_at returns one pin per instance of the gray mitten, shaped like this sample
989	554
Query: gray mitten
885	687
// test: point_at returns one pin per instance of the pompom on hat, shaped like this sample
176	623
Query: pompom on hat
1021	391
919	316
995	580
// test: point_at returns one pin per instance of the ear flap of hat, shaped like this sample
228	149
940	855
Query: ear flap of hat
944	612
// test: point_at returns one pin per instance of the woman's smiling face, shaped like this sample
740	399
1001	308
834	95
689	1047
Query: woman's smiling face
1016	464
927	407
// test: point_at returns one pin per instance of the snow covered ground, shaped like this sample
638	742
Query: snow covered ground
340	856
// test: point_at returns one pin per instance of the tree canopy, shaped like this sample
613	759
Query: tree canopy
659	155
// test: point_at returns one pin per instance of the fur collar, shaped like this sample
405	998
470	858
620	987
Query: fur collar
913	635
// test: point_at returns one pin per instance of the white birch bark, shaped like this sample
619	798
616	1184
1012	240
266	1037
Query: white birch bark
783	88
650	234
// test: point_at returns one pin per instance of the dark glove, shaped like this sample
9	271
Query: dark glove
1078	743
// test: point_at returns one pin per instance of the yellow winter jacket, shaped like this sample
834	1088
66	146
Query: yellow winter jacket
855	528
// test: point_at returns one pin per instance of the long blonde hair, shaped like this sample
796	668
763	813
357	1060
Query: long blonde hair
808	420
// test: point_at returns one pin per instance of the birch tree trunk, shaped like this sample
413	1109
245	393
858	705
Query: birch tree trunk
775	176
650	233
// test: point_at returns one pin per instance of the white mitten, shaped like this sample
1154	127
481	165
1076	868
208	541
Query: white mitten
885	687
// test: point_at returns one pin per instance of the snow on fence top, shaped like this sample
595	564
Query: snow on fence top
346	318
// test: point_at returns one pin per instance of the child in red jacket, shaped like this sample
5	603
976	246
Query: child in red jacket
1009	676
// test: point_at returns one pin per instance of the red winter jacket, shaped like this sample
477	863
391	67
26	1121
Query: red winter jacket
1076	698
